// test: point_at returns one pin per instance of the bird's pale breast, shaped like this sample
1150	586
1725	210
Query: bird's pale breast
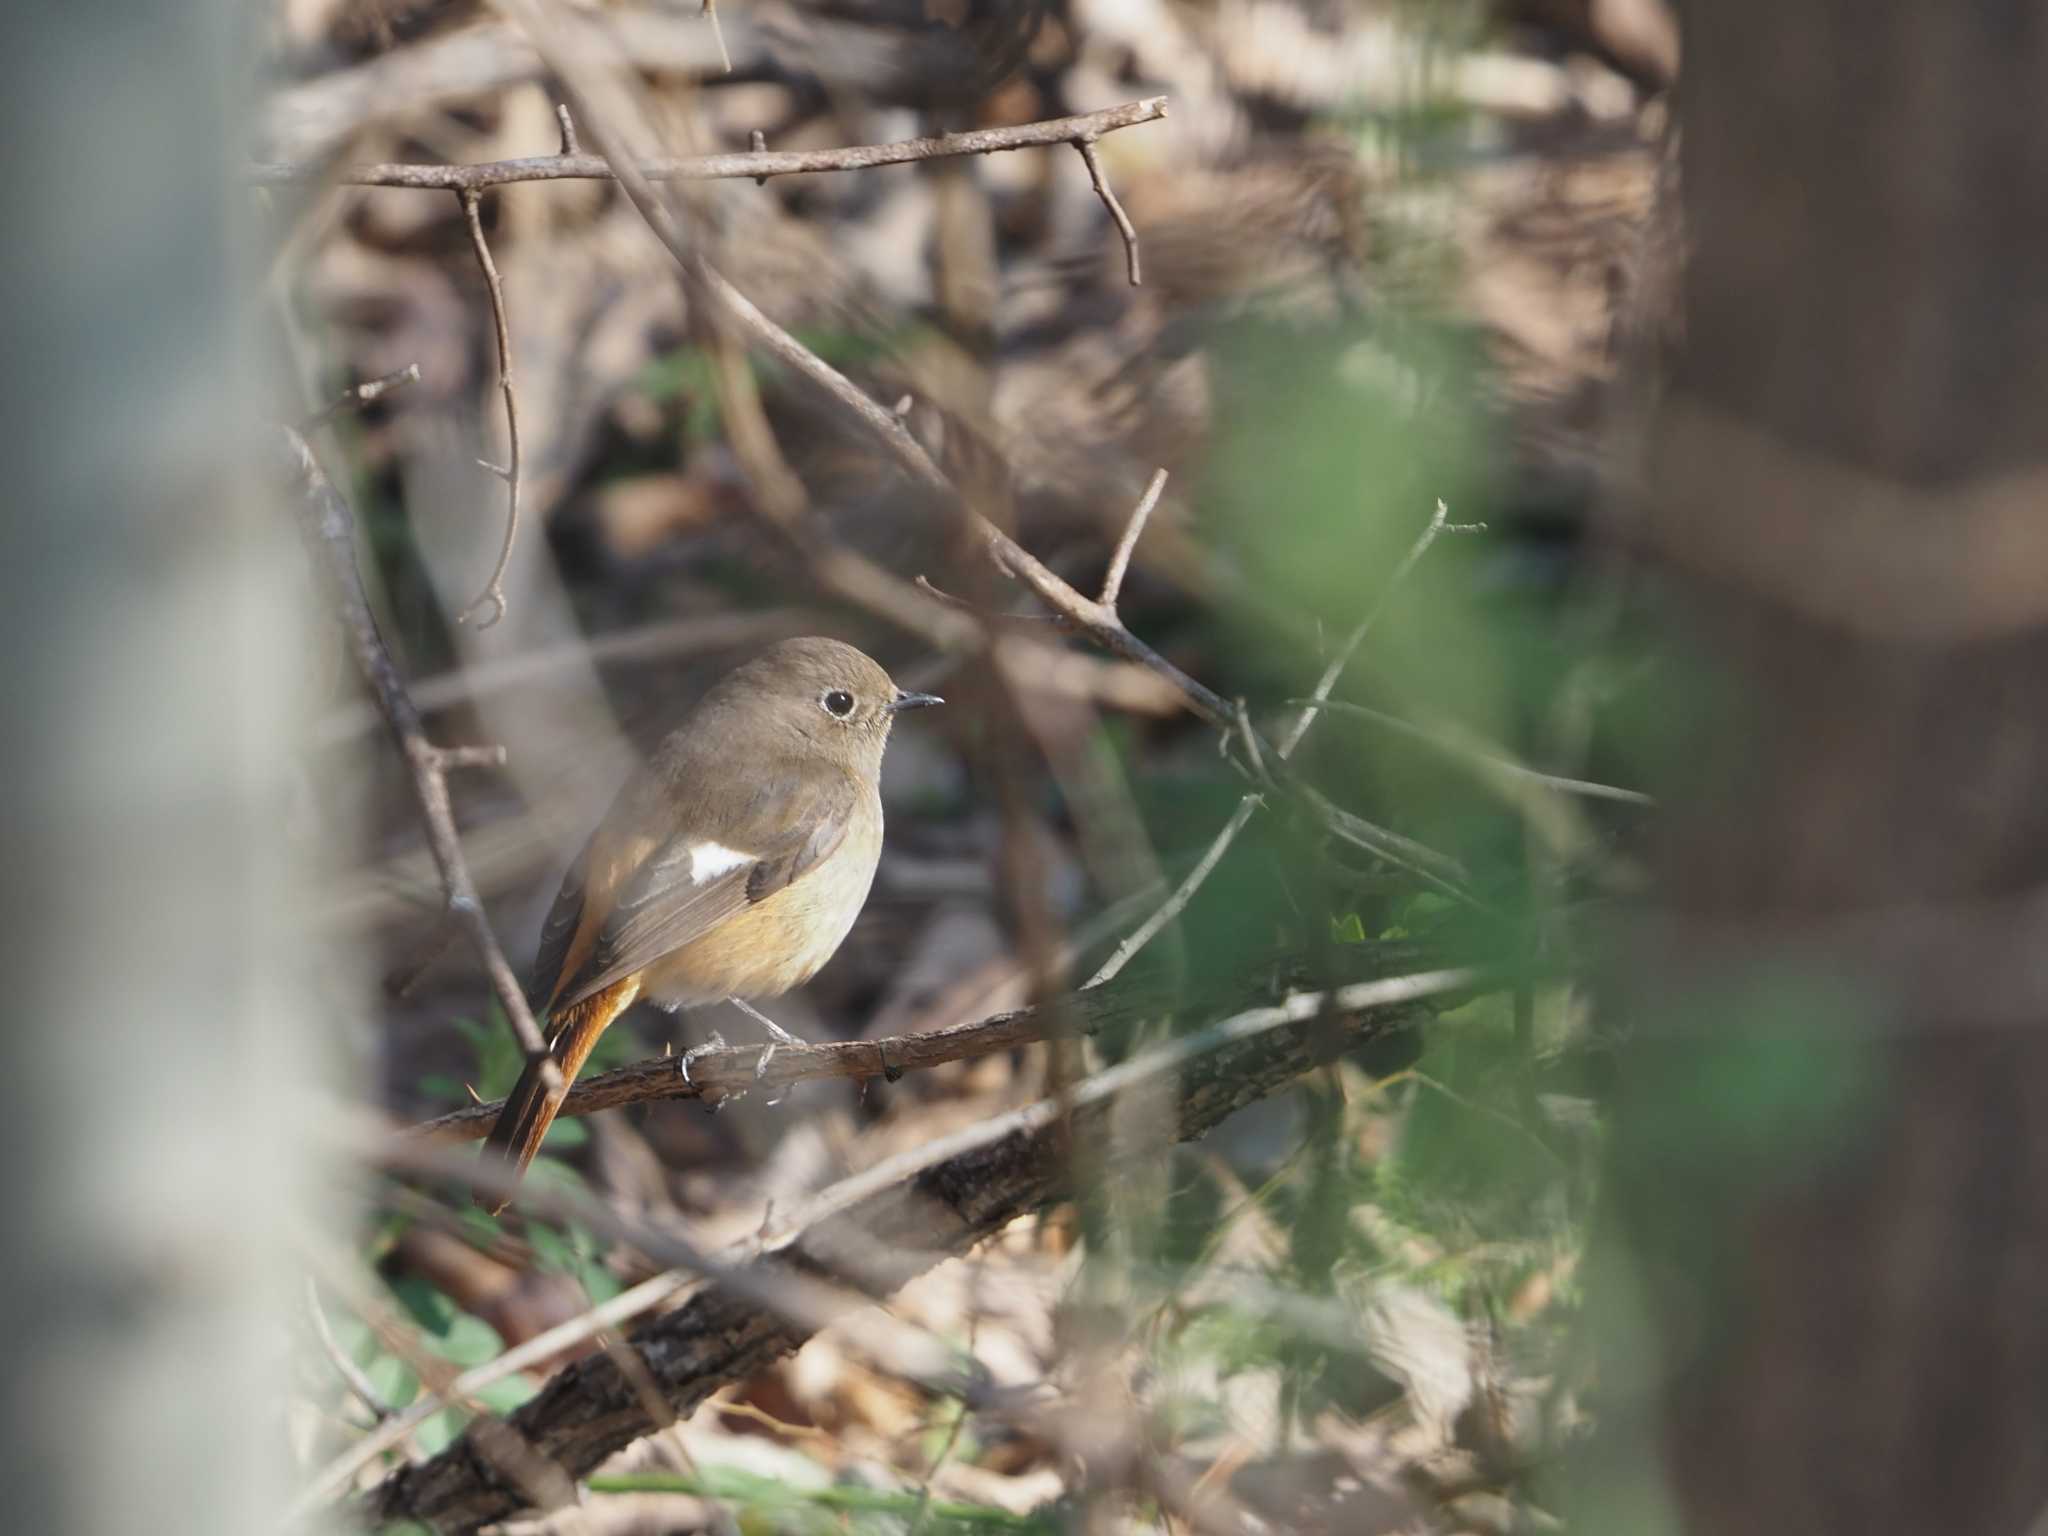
766	949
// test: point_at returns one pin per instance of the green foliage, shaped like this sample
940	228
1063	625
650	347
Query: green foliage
687	374
767	1504
499	1061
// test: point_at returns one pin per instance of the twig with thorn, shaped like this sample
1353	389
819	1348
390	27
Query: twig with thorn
359	395
493	594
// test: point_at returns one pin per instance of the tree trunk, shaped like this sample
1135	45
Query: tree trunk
1830	1169
148	1079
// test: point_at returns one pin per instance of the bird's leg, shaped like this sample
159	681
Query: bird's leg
715	1043
778	1036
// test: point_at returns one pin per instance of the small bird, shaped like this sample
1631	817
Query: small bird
731	865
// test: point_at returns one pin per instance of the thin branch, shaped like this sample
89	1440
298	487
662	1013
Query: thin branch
757	165
1489	763
570	147
883	1226
329	526
1120	559
710	10
447	759
925	585
359	395
1093	160
494	590
1439	522
1183	893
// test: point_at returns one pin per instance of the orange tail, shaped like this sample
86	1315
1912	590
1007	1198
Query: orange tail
529	1109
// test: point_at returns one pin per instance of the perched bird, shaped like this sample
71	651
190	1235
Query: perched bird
730	866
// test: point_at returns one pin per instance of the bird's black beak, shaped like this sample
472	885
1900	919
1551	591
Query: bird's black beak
906	700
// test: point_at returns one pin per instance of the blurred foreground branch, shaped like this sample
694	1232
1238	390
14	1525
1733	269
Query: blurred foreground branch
880	1229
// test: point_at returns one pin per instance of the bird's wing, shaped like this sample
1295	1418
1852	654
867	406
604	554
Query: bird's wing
564	918
775	827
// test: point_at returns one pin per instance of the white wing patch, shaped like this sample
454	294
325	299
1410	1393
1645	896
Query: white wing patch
710	860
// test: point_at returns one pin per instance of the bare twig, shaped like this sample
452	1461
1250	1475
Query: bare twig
1183	893
710	10
360	395
568	121
1093	160
1439	522
448	759
1488	762
927	586
1120	559
330	530
892	1221
493	594
757	165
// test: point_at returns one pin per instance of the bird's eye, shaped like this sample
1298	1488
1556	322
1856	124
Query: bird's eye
838	703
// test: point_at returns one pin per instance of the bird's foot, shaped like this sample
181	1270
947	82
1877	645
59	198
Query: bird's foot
715	1043
778	1036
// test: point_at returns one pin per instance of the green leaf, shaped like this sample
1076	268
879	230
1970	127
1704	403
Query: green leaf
440	1431
469	1341
504	1396
1348	929
393	1379
599	1283
566	1135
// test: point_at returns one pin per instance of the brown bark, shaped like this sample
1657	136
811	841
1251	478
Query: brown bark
1845	1274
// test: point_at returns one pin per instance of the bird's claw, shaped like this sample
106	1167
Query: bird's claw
715	1043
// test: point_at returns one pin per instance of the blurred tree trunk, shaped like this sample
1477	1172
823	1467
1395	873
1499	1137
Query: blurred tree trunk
147	1058
1830	1170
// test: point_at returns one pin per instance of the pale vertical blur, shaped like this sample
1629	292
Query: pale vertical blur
150	628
